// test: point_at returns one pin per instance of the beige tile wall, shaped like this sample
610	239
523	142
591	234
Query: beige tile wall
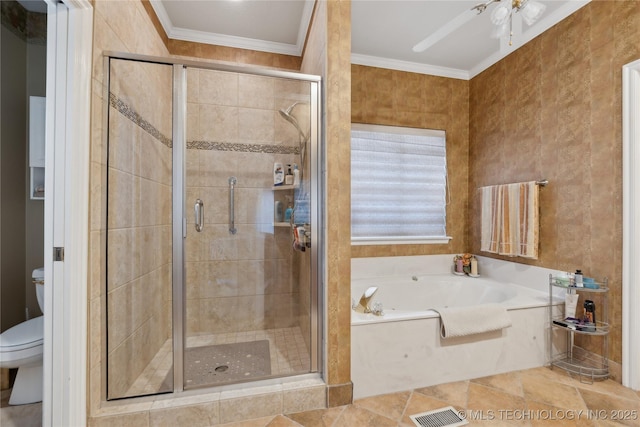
552	110
328	54
113	22
248	280
139	247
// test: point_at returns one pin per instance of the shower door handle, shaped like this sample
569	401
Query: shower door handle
199	212
232	210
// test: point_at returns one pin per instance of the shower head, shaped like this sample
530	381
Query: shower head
286	114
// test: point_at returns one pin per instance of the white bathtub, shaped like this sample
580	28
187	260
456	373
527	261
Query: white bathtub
402	350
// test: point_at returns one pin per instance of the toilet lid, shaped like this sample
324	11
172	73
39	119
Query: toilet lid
38	274
25	334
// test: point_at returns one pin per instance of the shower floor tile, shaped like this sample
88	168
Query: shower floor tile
289	355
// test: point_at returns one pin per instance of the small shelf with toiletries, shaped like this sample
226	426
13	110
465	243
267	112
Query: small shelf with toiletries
284	187
283	209
581	320
291	205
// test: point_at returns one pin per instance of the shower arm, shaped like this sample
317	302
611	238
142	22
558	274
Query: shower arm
302	142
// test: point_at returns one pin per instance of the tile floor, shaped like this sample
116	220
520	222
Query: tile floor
20	415
289	355
534	397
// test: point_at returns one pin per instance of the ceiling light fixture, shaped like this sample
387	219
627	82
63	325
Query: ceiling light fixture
502	15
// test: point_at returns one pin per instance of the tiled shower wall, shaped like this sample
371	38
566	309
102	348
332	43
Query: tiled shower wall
248	280
139	248
121	27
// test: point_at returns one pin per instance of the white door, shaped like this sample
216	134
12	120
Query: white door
69	35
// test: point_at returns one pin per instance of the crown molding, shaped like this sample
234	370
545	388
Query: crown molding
413	67
178	33
233	41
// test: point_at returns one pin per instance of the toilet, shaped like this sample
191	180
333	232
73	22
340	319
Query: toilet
21	347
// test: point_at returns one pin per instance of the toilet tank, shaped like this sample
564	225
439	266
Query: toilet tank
38	280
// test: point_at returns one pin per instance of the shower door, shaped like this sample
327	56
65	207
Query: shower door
248	290
139	245
205	285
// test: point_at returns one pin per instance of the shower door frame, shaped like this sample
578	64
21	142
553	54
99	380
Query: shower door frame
179	227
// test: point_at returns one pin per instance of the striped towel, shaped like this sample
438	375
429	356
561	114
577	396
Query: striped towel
510	219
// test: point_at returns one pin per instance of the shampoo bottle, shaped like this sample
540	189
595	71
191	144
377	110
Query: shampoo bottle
278	174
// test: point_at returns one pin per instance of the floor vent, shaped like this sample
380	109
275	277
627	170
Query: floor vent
448	417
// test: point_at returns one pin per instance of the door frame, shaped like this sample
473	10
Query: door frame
67	142
630	225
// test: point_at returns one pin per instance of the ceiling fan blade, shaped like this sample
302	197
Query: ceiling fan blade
445	30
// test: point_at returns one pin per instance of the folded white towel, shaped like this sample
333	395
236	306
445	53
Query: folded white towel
461	321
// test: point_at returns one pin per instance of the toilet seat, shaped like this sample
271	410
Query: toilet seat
22	344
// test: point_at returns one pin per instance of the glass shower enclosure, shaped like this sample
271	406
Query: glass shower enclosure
211	269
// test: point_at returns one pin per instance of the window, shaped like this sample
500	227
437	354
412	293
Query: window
398	185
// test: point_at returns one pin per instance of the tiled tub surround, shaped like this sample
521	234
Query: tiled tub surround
139	248
403	349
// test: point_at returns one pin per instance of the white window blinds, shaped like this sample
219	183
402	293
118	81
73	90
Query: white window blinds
398	184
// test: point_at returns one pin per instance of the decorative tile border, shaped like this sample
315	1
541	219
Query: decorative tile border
244	148
136	118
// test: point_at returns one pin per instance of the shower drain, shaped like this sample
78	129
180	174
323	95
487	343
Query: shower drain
444	417
227	363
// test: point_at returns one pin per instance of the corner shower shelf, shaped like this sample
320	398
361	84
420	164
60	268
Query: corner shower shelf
576	360
284	187
281	224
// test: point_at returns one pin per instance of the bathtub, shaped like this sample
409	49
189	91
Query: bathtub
403	350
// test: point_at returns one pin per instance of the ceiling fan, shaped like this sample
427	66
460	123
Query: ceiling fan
501	18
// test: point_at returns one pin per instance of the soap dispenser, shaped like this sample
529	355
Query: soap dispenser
288	178
289	211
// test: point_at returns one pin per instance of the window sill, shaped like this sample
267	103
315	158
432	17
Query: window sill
437	240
